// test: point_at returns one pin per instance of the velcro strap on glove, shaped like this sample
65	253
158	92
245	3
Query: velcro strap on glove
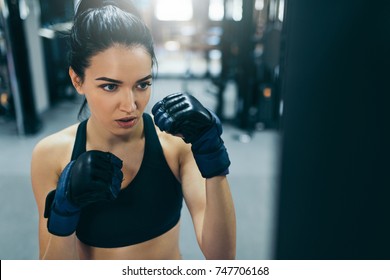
62	225
210	152
62	214
59	224
213	164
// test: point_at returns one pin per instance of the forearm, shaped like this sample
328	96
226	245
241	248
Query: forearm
182	114
61	248
219	224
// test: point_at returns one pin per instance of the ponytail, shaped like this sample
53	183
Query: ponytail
125	5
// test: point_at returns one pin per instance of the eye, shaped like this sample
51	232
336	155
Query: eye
144	85
109	87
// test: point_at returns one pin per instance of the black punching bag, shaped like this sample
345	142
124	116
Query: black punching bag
19	69
334	200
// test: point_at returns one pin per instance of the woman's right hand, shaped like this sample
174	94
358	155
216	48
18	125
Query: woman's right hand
94	176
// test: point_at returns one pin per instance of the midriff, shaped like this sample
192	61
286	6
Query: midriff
163	247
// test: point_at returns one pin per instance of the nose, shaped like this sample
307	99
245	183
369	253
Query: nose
128	102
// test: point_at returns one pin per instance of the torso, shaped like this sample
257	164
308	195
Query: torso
164	246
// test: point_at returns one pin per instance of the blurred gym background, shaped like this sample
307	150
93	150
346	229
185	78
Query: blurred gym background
301	87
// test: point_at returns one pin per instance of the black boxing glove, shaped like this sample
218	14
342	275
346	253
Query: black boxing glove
94	176
183	115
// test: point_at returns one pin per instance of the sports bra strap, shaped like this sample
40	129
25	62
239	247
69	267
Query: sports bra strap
79	146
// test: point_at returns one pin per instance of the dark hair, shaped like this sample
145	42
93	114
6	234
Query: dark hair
100	24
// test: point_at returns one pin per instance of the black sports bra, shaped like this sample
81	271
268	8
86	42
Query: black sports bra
148	207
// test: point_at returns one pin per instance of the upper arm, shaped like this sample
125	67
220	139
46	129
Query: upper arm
181	161
194	190
45	169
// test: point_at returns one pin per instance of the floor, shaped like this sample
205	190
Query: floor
253	179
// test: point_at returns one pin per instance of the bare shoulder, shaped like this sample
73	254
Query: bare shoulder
56	147
173	144
172	141
49	157
176	151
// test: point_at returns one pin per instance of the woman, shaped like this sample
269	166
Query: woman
112	186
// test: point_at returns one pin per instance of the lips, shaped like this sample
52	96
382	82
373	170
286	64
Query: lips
127	119
127	122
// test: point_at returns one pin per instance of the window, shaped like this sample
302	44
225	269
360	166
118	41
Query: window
174	10
234	10
216	10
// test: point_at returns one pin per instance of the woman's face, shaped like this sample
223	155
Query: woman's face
117	86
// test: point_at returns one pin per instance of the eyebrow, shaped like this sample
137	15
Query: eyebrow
120	82
144	79
109	80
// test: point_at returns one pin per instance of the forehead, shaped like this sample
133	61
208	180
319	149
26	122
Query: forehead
120	60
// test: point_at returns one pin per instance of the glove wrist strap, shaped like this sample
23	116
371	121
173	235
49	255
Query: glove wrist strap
210	152
62	225
213	164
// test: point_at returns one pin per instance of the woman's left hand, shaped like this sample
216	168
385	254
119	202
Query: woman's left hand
183	115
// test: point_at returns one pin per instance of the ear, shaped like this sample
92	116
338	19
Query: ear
76	80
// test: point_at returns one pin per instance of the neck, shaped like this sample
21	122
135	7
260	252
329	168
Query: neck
98	137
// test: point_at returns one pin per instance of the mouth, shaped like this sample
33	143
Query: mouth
127	122
127	119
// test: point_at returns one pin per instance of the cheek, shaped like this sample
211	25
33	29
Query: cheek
144	99
147	97
100	103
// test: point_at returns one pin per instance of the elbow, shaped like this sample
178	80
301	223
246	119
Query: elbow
230	255
222	256
226	253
